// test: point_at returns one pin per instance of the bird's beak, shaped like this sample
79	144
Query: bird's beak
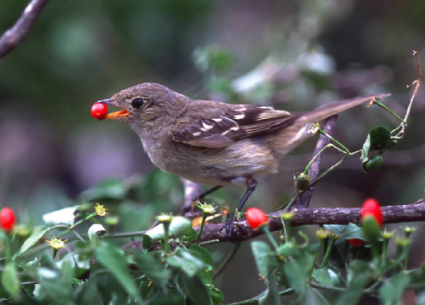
114	115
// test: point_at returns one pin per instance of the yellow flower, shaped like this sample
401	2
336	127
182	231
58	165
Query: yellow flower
57	243
206	208
100	210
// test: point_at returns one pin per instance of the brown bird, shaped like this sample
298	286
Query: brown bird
214	143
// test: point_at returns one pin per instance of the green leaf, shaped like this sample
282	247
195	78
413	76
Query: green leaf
393	289
288	249
147	243
187	262
322	277
297	270
87	293
174	297
35	236
152	267
55	285
114	260
207	276
217	296
78	264
417	276
365	149
64	216
349	231
10	280
264	258
193	288
271	296
189	236
178	226
334	274
359	275
201	253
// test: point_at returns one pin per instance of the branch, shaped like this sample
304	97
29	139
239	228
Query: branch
319	216
307	216
13	37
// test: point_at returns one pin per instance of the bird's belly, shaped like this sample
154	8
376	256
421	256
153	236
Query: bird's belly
226	166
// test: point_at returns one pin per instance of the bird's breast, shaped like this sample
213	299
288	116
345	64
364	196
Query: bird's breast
208	166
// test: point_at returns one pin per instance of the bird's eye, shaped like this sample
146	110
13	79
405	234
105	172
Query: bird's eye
137	103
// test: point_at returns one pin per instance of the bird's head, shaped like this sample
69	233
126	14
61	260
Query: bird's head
146	102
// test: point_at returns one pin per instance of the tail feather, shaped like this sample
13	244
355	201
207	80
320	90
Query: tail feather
331	109
297	132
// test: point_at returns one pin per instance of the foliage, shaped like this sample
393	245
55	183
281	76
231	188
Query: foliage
172	269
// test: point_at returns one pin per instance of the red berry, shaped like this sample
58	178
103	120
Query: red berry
256	218
372	207
357	243
99	111
7	219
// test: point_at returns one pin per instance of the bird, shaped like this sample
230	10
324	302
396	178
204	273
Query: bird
215	143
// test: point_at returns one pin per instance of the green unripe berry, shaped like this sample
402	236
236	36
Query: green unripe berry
372	164
303	181
380	137
371	228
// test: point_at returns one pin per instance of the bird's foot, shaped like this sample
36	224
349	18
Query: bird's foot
233	230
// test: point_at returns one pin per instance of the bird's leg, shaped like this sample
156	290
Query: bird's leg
206	193
251	183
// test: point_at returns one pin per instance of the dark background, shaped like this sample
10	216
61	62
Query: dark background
293	55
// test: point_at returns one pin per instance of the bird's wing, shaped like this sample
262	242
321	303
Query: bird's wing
222	124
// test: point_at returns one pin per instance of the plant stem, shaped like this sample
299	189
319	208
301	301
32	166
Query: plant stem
256	299
204	215
266	230
406	256
314	261
328	251
167	248
389	110
227	260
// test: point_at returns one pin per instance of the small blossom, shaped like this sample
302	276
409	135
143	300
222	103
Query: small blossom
100	210
387	235
402	242
287	215
322	234
56	243
408	231
314	129
334	236
112	220
164	218
206	208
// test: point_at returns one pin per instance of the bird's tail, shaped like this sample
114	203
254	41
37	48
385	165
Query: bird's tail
293	135
331	109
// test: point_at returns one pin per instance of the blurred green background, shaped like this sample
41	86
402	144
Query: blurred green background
292	55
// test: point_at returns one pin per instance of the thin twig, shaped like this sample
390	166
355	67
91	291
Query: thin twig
227	260
313	172
13	37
